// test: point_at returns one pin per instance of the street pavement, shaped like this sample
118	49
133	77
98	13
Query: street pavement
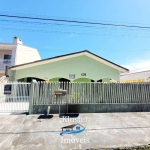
102	130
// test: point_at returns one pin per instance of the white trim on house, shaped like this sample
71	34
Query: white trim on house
7	46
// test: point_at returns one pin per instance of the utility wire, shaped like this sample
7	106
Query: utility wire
69	28
58	26
65	25
75	21
68	18
76	33
75	29
47	23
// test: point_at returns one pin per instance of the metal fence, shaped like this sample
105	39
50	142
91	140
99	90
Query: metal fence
91	93
14	97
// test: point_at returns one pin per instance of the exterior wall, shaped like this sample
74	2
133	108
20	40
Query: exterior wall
106	80
136	80
82	80
2	64
12	75
91	108
136	76
2	52
54	80
13	56
20	54
2	74
94	70
26	54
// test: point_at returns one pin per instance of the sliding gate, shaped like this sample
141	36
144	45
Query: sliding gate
14	97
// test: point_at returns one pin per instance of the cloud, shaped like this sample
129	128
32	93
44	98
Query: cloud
61	39
138	65
73	35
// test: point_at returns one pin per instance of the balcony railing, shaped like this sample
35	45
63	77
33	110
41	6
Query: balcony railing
4	63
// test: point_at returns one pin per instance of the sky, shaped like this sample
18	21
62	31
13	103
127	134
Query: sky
128	47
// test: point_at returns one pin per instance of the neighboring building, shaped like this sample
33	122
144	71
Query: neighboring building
82	66
136	76
16	53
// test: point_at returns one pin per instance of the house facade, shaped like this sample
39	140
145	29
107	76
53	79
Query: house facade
136	76
16	53
82	66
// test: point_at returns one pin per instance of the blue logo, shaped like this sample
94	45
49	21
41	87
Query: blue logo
72	129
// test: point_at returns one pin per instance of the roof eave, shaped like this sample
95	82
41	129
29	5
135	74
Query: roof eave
62	57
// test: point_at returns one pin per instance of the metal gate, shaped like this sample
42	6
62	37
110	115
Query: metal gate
14	97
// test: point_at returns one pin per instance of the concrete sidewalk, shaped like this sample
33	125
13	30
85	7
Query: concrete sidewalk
103	130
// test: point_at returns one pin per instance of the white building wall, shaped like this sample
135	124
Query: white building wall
2	64
25	54
13	56
20	54
3	52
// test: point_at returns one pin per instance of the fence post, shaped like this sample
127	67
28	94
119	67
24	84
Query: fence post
31	97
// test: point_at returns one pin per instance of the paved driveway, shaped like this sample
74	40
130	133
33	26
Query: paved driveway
103	130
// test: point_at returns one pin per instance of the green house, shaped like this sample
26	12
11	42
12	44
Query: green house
82	66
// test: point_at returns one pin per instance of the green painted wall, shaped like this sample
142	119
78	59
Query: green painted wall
54	79
61	69
82	80
106	80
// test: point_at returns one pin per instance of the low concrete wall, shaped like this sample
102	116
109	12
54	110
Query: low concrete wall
91	108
